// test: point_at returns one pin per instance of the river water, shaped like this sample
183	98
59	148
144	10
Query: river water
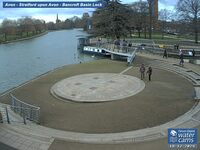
25	60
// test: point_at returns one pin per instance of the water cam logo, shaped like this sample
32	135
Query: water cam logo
182	138
173	133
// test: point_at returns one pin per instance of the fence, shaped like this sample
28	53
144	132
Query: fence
25	110
130	59
118	48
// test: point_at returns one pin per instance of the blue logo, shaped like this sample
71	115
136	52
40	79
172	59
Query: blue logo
182	136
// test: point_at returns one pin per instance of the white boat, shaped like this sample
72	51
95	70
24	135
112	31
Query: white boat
95	50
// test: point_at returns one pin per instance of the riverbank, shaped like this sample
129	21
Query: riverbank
23	39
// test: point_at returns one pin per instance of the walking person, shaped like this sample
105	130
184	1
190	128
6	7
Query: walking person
149	72
117	44
181	59
124	46
99	42
165	54
142	71
193	53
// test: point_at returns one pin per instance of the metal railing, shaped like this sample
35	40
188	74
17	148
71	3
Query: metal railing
117	48
25	110
131	50
170	51
130	60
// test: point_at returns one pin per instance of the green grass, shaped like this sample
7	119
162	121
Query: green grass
168	39
16	36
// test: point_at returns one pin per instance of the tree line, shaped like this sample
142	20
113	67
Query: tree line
23	27
28	26
74	22
119	20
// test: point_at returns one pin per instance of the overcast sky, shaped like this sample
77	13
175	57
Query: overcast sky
49	14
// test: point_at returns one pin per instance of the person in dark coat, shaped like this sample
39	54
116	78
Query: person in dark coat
165	54
193	53
181	59
149	72
142	71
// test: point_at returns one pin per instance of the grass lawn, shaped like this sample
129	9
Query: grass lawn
17	36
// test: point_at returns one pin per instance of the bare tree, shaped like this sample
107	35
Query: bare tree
51	26
39	25
68	24
85	18
77	22
190	11
8	27
164	16
26	25
139	16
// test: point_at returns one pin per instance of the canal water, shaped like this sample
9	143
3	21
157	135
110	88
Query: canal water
25	60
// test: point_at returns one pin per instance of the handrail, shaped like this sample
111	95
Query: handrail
24	102
25	110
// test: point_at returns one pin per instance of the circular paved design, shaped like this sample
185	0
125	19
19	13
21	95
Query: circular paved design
98	87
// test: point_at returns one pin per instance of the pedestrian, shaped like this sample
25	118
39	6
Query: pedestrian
142	71
178	46
129	44
165	54
99	42
117	43
180	52
181	59
124	46
193	53
149	72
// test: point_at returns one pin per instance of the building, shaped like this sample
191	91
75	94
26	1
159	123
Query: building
155	9
155	14
57	20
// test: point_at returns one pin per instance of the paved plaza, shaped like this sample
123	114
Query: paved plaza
148	108
98	87
135	105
